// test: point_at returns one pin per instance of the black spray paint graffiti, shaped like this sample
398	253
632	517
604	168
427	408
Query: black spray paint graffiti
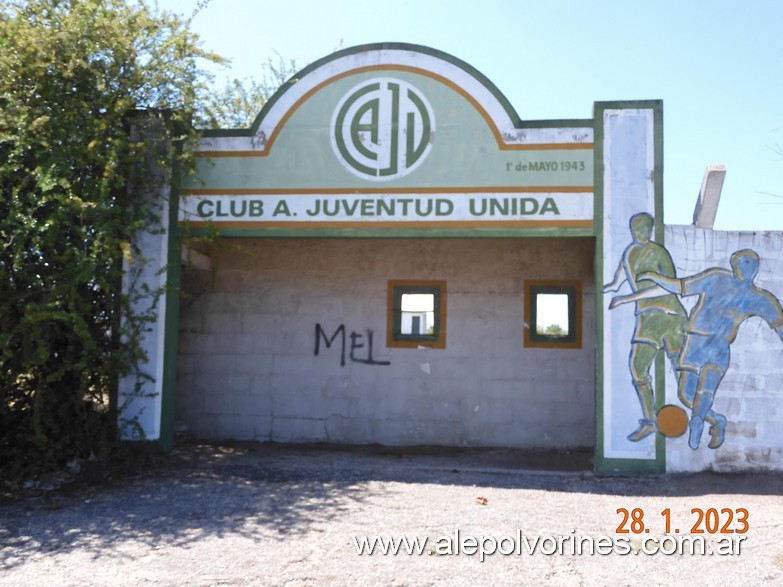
356	344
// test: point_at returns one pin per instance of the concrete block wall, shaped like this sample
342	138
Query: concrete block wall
751	393
247	367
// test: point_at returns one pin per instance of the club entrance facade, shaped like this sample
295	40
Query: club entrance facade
391	255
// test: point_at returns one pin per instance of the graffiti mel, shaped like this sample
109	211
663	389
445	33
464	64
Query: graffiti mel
725	299
356	344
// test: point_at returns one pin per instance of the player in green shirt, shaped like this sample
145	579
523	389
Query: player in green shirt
660	319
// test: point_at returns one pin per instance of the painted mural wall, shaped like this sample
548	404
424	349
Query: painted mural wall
289	345
741	274
705	302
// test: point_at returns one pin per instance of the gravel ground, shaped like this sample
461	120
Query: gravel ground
259	514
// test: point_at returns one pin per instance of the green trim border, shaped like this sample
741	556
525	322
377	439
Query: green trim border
614	466
389	232
171	320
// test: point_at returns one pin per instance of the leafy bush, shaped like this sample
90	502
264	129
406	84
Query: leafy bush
72	75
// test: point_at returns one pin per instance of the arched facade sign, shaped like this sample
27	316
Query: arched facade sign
393	137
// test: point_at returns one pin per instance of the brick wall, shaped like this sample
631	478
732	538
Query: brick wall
247	368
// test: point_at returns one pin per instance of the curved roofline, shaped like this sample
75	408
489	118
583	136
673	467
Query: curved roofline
371	47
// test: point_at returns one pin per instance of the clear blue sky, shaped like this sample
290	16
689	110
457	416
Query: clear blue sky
717	65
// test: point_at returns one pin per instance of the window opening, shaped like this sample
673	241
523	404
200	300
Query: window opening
553	314
416	314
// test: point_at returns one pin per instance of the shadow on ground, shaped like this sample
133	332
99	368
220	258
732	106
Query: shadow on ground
277	492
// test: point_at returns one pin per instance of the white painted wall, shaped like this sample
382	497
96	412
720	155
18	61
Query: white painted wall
144	281
629	188
247	368
140	393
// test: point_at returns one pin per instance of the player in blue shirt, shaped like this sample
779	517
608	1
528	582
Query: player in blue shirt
726	299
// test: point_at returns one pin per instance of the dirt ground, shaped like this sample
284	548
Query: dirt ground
260	514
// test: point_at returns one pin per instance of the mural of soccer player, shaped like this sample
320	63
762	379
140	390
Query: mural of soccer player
726	299
660	317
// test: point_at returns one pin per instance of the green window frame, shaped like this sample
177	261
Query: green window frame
535	314
435	337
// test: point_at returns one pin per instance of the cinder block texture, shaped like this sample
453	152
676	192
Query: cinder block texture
751	393
248	368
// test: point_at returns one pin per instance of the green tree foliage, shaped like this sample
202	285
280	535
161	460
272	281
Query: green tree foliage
551	330
239	102
72	73
555	330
